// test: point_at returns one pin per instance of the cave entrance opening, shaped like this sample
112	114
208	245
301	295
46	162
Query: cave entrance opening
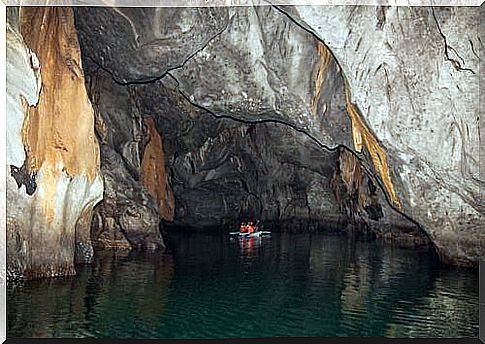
214	166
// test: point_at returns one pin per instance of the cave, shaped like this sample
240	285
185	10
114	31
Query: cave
141	139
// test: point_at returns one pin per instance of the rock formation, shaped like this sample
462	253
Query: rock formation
53	155
128	217
415	81
153	174
348	118
377	80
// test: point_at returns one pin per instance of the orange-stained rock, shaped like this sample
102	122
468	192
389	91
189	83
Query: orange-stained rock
60	129
325	58
48	227
363	136
153	174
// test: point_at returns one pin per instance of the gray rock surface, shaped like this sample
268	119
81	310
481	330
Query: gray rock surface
413	73
127	217
154	39
224	170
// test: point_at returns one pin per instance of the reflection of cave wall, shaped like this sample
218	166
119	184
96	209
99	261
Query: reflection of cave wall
94	294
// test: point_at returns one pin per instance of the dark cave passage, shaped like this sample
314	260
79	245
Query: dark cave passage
222	169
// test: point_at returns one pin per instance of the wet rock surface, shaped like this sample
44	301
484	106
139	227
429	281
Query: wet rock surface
225	169
413	77
155	39
241	123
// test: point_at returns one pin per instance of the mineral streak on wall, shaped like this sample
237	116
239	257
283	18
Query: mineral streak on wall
153	174
323	63
61	154
361	134
363	137
352	175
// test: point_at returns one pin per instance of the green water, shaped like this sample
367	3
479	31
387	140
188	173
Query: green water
289	285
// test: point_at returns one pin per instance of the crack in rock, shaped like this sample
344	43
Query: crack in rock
159	77
456	64
367	168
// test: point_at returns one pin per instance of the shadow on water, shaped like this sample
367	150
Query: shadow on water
211	286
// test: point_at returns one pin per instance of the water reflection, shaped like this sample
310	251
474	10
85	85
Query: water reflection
286	285
97	301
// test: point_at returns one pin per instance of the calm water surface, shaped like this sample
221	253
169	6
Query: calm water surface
288	285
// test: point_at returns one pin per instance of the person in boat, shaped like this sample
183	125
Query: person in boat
249	227
252	227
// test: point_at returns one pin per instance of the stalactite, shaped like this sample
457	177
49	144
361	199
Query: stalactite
363	137
153	173
323	63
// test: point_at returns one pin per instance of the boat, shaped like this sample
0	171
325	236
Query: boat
256	234
250	230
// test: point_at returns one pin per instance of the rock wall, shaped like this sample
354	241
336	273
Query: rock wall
128	217
155	40
318	100
415	81
224	171
153	175
52	153
221	170
253	110
397	85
